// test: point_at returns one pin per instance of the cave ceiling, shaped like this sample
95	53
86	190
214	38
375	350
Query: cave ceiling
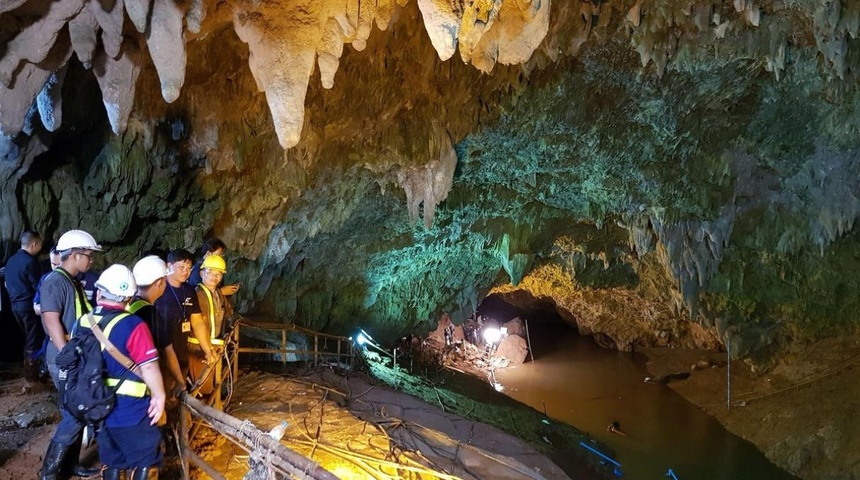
663	172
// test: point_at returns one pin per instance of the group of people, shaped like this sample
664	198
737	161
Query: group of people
167	326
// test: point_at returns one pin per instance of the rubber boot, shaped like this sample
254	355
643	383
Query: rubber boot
73	463
113	474
144	473
85	472
31	370
53	460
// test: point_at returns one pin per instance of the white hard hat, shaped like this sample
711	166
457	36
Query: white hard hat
148	270
77	239
118	282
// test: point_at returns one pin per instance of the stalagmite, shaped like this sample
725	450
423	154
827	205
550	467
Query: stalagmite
166	42
83	31
34	42
110	15
50	100
117	79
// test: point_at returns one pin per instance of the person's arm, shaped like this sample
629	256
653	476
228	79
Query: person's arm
228	290
141	349
173	368
151	375
54	328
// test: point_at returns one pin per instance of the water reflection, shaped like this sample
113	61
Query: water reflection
589	387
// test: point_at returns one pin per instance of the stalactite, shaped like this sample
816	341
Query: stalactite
138	12
9	5
110	15
430	183
195	16
166	43
117	78
34	42
83	30
29	81
50	100
442	22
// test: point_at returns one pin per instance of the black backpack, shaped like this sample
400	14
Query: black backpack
83	392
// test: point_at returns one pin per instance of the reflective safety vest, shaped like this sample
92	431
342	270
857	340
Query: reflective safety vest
212	334
82	305
136	305
128	387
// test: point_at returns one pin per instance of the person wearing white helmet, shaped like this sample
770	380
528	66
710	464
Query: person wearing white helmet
130	440
150	273
62	302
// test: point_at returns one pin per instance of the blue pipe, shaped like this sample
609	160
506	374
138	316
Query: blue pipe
601	455
671	474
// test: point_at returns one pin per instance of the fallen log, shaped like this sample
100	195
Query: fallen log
258	442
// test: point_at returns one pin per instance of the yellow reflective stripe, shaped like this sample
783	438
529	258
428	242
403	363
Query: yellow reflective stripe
137	305
129	388
85	322
211	312
112	324
213	341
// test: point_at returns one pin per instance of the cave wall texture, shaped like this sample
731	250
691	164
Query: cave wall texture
663	172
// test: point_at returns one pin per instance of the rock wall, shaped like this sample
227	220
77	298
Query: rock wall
665	173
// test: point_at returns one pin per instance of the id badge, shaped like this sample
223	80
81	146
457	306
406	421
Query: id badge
186	327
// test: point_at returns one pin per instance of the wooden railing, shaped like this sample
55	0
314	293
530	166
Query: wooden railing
342	347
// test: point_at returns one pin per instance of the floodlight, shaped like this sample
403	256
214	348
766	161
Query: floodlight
492	335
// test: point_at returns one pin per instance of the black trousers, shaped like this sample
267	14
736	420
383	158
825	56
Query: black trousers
31	325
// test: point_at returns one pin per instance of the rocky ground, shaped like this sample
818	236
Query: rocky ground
803	413
27	417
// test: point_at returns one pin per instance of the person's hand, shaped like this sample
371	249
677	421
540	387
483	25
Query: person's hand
228	290
156	408
178	388
211	358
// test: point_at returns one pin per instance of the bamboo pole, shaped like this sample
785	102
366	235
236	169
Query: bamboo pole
196	460
285	459
284	347
529	340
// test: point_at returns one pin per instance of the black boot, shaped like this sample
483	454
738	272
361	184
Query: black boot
73	466
113	474
79	470
144	473
53	460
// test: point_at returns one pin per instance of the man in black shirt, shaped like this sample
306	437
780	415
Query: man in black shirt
178	305
23	273
150	275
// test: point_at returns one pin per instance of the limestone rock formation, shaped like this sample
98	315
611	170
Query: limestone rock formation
662	173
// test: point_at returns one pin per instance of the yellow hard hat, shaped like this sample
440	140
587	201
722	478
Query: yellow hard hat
214	262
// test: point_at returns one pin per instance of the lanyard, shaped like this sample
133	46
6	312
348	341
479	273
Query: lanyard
181	304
